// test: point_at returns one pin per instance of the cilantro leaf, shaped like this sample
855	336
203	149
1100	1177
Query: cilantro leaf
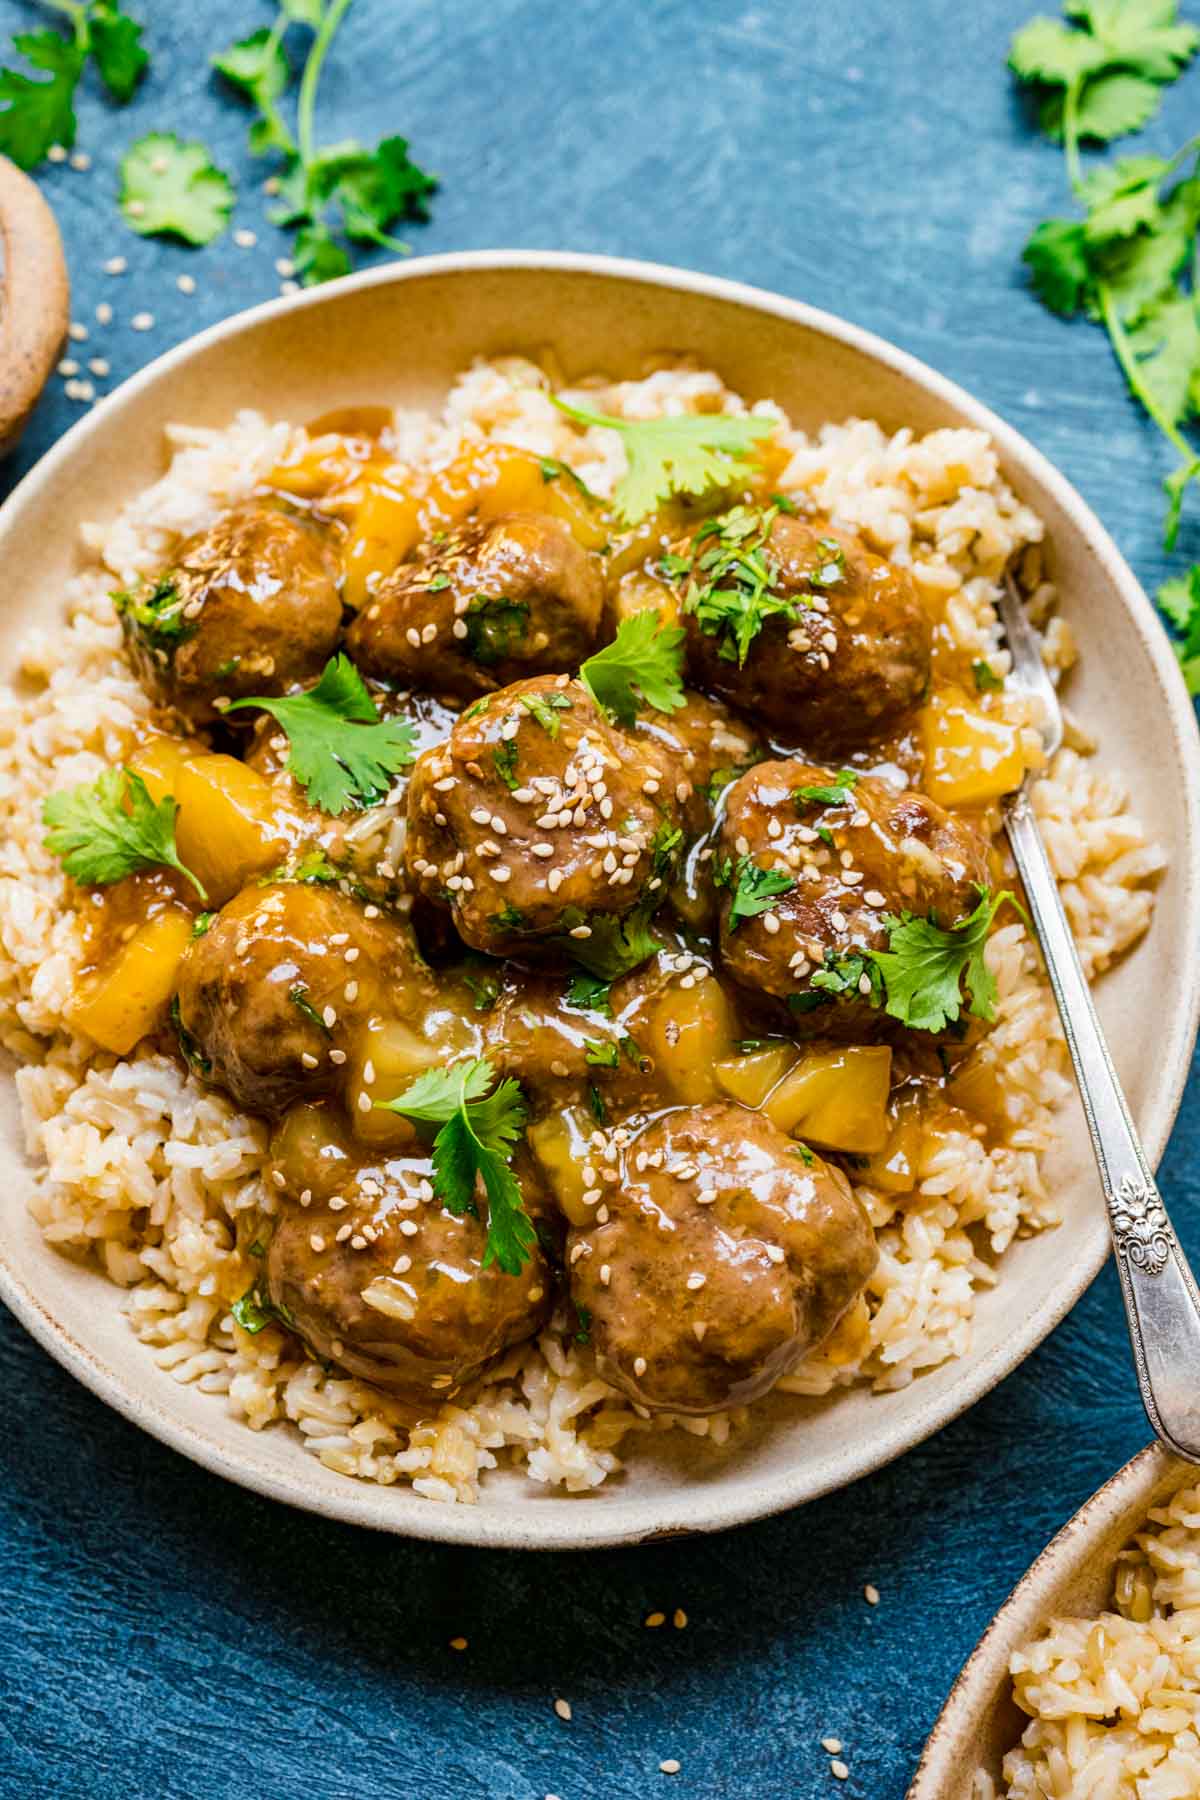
380	188
1179	599
174	189
318	256
545	708
478	1135
341	752
256	1310
1059	271
1105	78
835	793
617	944
688	454
1167	344
110	828
600	1054
590	993
732	575
154	615
258	66
643	665
926	967
40	113
986	679
755	890
116	44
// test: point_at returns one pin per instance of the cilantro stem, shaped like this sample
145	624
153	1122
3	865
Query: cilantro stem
306	105
1071	132
1129	365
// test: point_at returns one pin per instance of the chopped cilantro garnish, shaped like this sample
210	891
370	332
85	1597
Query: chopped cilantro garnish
805	1154
642	666
834	793
986	679
596	1104
590	993
510	916
154	615
495	627
602	1055
341	752
202	924
755	890
111	827
926	968
504	761
189	1044
688	454
256	1310
483	985
731	580
476	1140
298	995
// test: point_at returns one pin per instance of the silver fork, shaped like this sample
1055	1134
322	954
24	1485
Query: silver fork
1162	1304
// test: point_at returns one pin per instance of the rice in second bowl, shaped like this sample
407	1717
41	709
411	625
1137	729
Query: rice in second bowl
158	1178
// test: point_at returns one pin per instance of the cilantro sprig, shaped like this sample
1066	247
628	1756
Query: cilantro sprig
41	113
174	189
1130	262
833	793
691	453
477	1136
927	967
1179	599
755	889
111	827
341	752
329	196
733	576
643	666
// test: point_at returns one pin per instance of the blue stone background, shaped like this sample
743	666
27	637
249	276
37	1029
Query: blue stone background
166	1635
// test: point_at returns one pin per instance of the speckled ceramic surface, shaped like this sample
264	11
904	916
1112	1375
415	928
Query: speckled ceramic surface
400	334
1072	1576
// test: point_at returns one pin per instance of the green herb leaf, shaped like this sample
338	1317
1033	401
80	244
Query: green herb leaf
926	967
154	615
116	45
590	993
986	679
504	761
642	666
298	995
545	708
835	794
256	1310
496	627
174	189
258	66
341	752
476	1141
109	828
38	114
755	890
602	1055
732	575
689	454
1059	270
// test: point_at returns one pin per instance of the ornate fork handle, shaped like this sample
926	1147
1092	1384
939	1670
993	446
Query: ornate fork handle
1162	1304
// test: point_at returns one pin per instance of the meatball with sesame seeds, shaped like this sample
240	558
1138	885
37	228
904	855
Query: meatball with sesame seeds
723	1254
801	628
271	995
844	850
494	601
540	824
250	606
373	1272
705	747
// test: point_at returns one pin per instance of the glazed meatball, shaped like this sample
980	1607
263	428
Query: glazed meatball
250	606
271	996
705	745
378	1277
724	1254
539	823
498	600
844	649
855	848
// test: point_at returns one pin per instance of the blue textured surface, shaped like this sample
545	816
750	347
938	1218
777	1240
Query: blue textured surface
169	1636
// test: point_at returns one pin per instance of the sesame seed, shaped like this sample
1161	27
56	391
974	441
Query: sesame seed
651	786
838	921
563	1708
368	1072
98	366
329	1017
402	1265
428	632
284	266
364	1103
670	1765
864	984
839	1770
873	897
142	321
591	1196
653	1620
408	1227
832	1744
696	1280
186	284
414	637
501	873
116	265
458	1643
56	153
639	1365
308	1059
543	849
337	1203
699	1327
581	931
775	1253
352	954
554	880
770	923
605	1274
317	1242
342	1233
679	1618
81	161
68	366
244	238
77	332
359	1242
871	1594
289	287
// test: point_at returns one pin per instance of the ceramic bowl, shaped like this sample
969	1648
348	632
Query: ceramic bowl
400	334
1072	1577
